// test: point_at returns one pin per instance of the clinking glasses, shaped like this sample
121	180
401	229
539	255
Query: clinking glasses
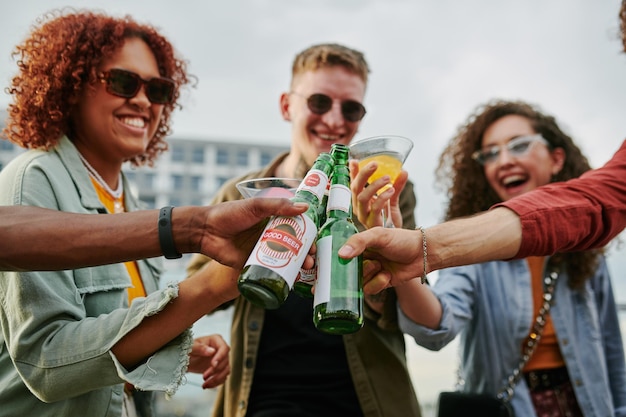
318	103
515	147
122	83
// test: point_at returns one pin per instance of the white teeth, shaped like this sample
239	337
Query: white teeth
327	137
134	121
513	178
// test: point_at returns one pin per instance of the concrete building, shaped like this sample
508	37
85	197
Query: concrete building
194	169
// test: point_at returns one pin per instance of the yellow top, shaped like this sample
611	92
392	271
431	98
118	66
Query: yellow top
116	205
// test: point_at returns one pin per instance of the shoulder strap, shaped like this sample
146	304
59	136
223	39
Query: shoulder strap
534	337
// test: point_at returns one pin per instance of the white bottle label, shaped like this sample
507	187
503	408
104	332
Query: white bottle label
314	182
339	198
283	246
324	260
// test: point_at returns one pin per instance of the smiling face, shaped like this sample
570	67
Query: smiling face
509	175
110	129
311	133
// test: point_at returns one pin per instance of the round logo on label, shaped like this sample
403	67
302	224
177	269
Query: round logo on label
287	230
313	180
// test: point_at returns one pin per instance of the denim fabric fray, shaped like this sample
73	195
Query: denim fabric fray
178	375
181	343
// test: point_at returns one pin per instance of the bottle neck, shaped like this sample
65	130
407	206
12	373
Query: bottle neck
313	186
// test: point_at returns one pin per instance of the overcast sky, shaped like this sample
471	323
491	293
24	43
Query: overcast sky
432	63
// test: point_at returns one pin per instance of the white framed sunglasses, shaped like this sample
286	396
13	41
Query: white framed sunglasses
515	147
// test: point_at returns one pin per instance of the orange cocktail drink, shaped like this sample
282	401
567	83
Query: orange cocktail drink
388	164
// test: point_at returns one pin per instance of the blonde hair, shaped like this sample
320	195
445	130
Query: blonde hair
328	55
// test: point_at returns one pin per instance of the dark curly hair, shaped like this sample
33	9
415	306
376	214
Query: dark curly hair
467	188
61	57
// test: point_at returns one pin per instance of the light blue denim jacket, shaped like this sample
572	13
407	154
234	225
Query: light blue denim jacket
490	305
58	327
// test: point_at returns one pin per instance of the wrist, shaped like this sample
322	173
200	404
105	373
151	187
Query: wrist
436	251
166	235
187	229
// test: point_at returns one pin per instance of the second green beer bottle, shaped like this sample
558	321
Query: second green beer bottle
338	301
275	261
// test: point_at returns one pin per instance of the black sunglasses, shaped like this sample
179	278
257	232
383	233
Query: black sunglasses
318	103
122	83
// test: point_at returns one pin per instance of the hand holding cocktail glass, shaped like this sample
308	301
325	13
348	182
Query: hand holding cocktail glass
376	184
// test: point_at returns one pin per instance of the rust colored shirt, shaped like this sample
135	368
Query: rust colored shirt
580	214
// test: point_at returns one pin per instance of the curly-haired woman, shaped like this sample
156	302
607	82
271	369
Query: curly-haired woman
505	149
92	92
530	224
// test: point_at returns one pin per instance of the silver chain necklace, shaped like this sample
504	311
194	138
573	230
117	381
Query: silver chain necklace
116	194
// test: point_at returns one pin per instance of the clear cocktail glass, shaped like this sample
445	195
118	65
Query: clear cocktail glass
268	187
389	152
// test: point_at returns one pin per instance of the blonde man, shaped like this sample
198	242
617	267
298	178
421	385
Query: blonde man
282	365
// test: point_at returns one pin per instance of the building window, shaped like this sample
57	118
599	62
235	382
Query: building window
196	183
178	153
148	181
177	182
150	202
266	158
222	157
242	158
197	155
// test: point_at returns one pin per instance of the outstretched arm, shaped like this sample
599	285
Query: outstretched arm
398	253
41	239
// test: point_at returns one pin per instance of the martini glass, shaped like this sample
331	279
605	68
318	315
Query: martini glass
268	187
389	152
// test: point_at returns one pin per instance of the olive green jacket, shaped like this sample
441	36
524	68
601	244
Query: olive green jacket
376	353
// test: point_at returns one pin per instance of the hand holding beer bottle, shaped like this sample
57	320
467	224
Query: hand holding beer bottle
338	301
275	261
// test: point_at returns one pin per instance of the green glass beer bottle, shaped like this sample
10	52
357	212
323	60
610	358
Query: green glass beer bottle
307	277
275	261
338	300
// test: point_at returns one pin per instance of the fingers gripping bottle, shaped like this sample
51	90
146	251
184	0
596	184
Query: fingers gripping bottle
275	261
338	300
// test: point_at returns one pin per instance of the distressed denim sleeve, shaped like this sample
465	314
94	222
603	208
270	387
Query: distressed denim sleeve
60	352
165	370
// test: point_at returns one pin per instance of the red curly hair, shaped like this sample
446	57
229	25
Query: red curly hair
61	57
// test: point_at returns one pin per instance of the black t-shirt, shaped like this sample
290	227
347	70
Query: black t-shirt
300	371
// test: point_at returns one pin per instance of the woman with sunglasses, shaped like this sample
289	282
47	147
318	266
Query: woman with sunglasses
577	368
93	92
